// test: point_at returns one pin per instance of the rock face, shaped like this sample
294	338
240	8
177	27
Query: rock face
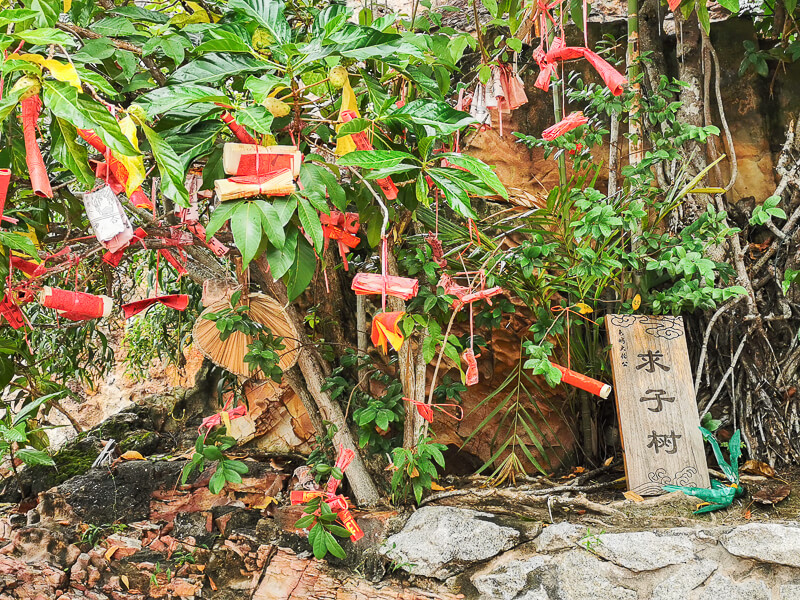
644	550
765	542
440	541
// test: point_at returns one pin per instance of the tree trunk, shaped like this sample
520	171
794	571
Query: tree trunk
309	363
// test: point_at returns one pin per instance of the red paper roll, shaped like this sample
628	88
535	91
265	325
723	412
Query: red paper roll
118	170
582	382
239	131
76	306
33	157
472	367
5	180
373	283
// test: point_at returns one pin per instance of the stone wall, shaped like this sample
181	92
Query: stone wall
484	557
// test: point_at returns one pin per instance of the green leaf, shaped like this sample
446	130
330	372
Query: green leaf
165	99
66	103
374	159
224	41
217	481
95	51
316	537
354	126
302	270
305	521
195	143
268	13
220	216
47	11
46	36
733	6
791	5
169	166
454	195
333	546
435	114
34	457
255	117
16	15
271	223
16	241
247	232
479	169
309	218
214	67
114	27
260	87
69	152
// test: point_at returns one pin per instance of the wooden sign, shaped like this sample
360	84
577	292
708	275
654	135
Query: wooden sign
656	405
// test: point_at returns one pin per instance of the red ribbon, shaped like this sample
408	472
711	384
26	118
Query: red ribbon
210	422
362	143
425	410
372	283
11	312
560	51
341	227
170	258
114	258
31	107
436	248
472	366
568	123
463	294
118	170
176	301
5	180
239	131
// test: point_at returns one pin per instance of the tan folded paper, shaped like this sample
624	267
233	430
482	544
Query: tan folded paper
251	159
278	184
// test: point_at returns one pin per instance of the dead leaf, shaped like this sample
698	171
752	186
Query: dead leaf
436	487
608	461
211	582
756	467
132	455
201	568
772	494
265	503
637	302
110	551
124	579
747	514
631	495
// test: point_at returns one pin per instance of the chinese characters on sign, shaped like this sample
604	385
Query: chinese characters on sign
656	403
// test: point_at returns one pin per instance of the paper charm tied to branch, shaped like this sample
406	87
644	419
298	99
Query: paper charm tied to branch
258	170
109	222
337	503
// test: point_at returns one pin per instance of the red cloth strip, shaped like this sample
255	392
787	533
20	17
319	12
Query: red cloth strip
33	156
11	313
26	266
239	131
373	283
472	367
5	180
114	258
568	123
170	258
118	170
176	301
560	51
362	143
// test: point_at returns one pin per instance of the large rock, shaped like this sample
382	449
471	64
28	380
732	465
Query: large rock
532	578
559	536
441	541
767	542
583	576
722	587
684	579
642	550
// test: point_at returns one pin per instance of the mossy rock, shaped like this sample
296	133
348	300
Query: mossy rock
75	458
144	442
